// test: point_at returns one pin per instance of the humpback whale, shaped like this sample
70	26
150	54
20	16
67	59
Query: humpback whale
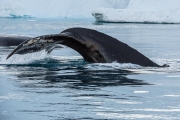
94	46
12	40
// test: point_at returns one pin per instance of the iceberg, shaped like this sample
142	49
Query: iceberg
55	8
142	11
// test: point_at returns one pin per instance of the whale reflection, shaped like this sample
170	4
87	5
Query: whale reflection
72	74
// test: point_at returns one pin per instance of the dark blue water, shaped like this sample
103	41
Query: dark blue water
64	86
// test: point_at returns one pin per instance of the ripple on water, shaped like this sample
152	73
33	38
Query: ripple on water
64	86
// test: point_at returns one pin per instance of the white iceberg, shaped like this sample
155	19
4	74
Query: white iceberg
55	8
143	11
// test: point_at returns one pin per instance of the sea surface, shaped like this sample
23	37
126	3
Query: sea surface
63	86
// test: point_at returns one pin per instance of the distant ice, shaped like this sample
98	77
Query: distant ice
55	8
144	11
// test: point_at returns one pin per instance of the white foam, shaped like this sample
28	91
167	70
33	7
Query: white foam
171	95
24	59
11	96
113	65
38	56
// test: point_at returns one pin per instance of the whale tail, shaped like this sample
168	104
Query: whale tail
35	45
94	46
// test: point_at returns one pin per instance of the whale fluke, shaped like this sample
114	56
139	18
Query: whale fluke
94	46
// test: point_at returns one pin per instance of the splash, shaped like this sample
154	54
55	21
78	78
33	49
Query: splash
60	60
113	65
24	59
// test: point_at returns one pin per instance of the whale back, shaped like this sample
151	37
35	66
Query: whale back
11	40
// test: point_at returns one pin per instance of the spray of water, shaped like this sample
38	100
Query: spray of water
24	59
46	58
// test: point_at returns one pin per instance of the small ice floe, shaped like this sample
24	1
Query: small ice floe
141	92
171	95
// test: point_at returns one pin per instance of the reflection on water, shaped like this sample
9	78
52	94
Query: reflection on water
74	75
